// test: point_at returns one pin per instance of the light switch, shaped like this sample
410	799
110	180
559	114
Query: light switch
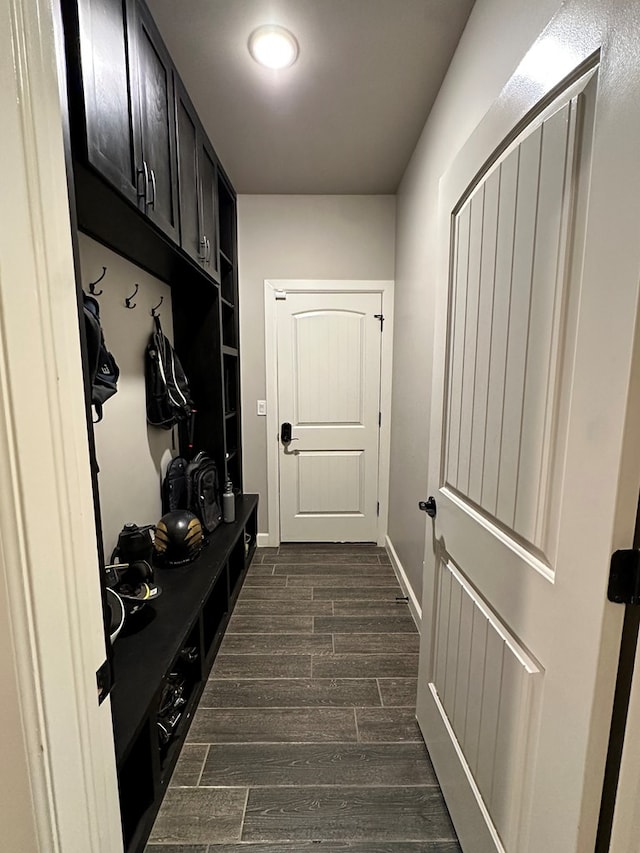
262	407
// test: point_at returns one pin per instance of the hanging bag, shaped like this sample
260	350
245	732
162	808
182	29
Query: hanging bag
103	370
167	389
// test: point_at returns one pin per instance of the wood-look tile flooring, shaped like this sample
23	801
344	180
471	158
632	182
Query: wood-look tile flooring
305	738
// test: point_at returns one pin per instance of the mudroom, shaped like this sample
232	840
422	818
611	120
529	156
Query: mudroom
318	401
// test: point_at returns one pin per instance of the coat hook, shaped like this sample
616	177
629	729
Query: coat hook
128	299
92	284
155	308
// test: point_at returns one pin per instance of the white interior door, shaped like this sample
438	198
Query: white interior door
533	480
328	351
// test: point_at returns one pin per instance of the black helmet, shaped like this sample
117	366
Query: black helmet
136	584
178	539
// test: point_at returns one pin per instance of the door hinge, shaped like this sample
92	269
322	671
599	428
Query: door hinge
381	318
378	509
280	294
379	419
624	577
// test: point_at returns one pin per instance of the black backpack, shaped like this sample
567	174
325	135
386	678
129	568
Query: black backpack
103	370
175	490
167	390
204	491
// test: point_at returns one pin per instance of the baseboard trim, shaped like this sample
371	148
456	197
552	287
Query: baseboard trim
414	606
263	540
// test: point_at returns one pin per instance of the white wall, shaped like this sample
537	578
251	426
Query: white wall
497	35
131	455
330	237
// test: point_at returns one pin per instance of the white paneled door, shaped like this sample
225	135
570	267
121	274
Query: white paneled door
534	472
329	348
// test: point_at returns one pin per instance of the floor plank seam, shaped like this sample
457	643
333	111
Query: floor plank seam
204	763
244	814
296	785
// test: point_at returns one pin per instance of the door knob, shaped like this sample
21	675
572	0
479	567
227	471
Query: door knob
428	506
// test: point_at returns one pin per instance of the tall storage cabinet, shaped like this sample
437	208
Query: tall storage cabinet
147	183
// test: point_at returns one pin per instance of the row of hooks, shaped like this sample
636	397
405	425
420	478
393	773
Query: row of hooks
129	303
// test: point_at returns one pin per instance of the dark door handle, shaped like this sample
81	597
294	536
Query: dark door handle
285	433
428	506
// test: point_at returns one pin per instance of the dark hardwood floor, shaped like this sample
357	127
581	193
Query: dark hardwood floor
305	739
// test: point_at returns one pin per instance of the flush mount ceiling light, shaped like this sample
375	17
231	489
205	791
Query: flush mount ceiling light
273	46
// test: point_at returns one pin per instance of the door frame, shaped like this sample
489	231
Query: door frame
61	767
273	288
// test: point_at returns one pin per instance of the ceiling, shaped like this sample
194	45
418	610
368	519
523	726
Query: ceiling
345	118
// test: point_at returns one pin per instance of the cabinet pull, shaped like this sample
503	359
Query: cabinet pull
203	245
152	203
144	172
208	251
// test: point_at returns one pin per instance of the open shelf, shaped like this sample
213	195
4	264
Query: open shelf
227	279
229	326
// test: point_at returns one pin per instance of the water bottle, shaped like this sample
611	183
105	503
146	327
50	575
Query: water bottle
228	503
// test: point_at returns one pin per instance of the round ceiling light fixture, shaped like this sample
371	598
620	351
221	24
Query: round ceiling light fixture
273	46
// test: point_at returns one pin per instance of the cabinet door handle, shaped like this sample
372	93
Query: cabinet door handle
152	203
144	172
208	251
202	254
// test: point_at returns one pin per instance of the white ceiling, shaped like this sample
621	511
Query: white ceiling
345	118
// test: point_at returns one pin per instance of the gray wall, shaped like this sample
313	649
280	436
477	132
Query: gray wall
497	36
130	454
322	237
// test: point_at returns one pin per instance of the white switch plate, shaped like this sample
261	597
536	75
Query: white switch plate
262	407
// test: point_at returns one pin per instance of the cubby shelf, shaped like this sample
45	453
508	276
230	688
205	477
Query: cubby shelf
193	611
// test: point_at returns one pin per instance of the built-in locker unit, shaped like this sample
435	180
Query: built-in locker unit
145	183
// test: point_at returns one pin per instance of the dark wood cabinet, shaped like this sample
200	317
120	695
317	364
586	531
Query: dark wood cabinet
148	184
209	206
198	193
100	93
187	139
154	122
121	94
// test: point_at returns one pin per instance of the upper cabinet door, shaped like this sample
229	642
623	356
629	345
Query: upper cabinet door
111	144
209	196
197	186
155	125
187	125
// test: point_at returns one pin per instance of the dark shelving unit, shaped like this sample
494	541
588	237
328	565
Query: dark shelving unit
146	182
192	613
